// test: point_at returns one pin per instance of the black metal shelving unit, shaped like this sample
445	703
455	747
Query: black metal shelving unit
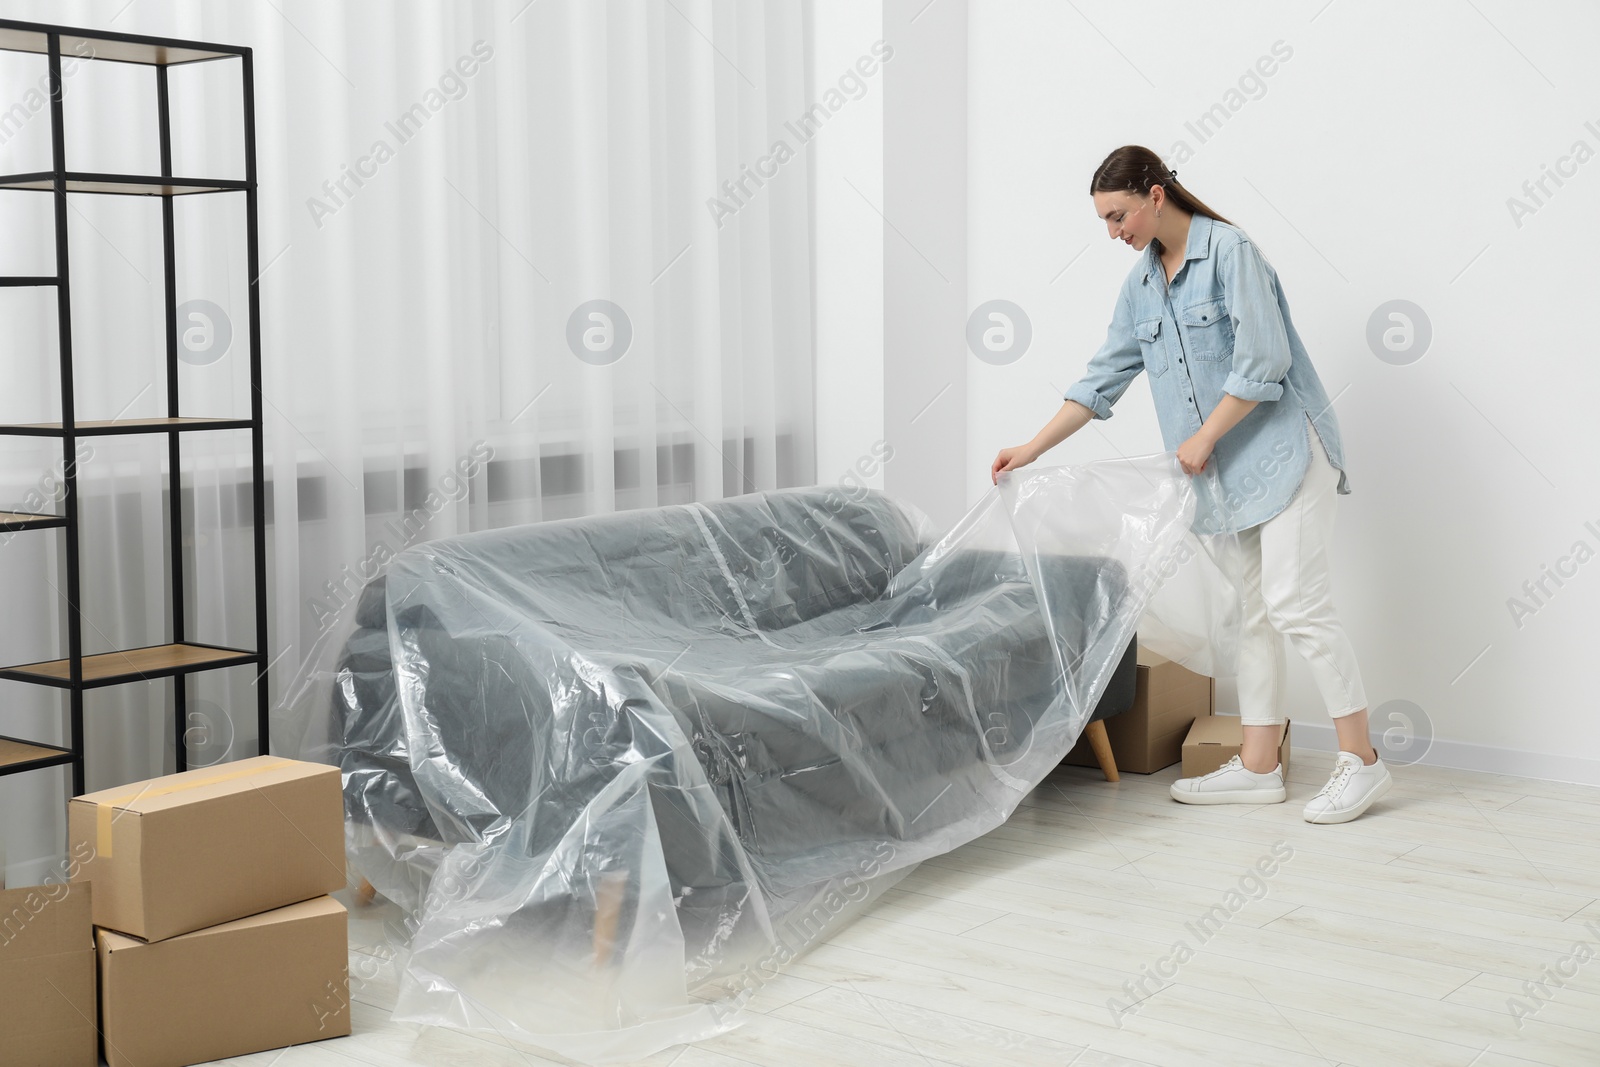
181	656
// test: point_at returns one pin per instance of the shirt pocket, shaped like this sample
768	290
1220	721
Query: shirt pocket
1148	332
1208	330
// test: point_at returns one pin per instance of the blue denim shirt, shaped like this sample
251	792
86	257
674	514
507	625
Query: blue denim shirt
1221	326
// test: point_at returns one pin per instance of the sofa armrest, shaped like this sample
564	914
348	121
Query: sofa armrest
1120	691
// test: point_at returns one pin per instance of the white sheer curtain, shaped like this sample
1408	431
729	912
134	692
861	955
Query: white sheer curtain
445	191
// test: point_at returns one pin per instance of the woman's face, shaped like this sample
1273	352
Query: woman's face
1129	217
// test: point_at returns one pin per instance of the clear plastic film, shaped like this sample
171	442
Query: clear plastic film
616	772
1192	603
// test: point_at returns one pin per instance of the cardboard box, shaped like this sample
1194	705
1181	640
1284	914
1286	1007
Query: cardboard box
196	849
274	979
1148	737
1214	740
47	1008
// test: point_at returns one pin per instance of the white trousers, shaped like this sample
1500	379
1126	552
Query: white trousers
1288	594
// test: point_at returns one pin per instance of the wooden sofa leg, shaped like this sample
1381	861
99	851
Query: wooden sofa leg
1096	732
608	909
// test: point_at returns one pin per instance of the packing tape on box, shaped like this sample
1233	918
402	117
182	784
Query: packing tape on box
106	809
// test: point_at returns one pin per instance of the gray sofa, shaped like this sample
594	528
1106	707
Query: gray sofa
753	693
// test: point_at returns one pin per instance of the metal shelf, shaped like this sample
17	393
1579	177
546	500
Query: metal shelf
115	427
76	673
132	665
17	756
121	184
14	521
110	47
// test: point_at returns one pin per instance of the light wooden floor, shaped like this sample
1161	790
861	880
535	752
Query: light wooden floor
1391	941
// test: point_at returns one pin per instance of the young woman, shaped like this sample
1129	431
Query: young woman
1202	312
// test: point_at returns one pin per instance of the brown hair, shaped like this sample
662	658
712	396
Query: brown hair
1134	169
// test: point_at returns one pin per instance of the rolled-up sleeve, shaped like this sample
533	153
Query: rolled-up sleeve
1113	368
1260	341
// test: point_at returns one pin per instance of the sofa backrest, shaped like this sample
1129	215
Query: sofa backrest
796	554
768	559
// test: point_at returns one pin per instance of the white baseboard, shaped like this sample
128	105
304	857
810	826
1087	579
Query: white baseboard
1461	756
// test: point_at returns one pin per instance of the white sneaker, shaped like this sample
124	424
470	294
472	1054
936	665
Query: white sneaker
1351	789
1232	783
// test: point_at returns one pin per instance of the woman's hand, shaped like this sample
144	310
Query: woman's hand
1193	453
1009	459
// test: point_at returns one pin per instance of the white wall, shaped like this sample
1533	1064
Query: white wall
925	229
848	159
1376	162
